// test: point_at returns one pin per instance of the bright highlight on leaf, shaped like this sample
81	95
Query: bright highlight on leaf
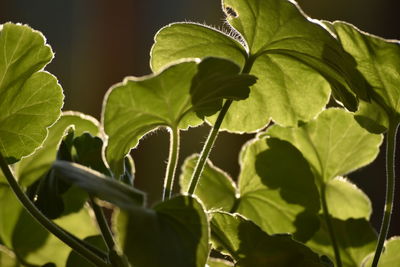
171	98
295	59
30	98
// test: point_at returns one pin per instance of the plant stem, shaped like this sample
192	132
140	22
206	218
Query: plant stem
103	225
207	148
172	163
331	231
47	223
390	185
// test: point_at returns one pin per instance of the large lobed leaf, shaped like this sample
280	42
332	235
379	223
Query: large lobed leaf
379	61
30	98
292	56
173	234
171	98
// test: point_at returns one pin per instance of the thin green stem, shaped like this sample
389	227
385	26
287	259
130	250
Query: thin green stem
390	185
331	231
103	225
47	223
207	148
172	163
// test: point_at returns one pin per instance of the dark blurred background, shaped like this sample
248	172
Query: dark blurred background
98	43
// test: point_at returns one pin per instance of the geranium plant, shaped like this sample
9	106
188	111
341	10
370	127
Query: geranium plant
320	95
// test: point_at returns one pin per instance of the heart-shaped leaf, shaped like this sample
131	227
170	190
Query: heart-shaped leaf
334	143
30	98
32	168
379	61
355	238
390	256
171	98
285	49
249	246
98	184
173	234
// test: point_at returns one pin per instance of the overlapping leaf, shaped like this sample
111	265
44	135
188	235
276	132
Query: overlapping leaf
285	49
7	258
390	256
32	168
250	246
379	61
355	238
171	98
30	98
173	234
213	262
334	143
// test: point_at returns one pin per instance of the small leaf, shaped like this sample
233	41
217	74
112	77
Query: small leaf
75	260
167	99
99	185
372	117
32	168
250	246
355	237
390	256
173	234
345	200
30	98
295	58
215	188
379	61
334	143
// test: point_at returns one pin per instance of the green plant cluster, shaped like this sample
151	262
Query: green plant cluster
319	94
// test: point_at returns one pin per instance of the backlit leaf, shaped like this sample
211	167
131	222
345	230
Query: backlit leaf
173	234
30	98
293	57
390	256
171	98
250	246
7	258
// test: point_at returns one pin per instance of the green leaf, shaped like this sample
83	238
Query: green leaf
250	246
293	57
99	185
173	234
390	256
30	98
334	143
9	213
277	198
213	262
35	245
7	258
345	200
372	117
32	168
355	237
379	61
167	99
216	189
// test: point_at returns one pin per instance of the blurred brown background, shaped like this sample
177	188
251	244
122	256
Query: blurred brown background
97	43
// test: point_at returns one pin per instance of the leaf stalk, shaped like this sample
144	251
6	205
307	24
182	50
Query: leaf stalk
172	163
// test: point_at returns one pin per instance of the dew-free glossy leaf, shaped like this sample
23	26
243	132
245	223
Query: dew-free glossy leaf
33	167
285	49
173	234
215	188
390	256
355	237
345	200
99	185
171	98
249	246
334	143
30	98
378	60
